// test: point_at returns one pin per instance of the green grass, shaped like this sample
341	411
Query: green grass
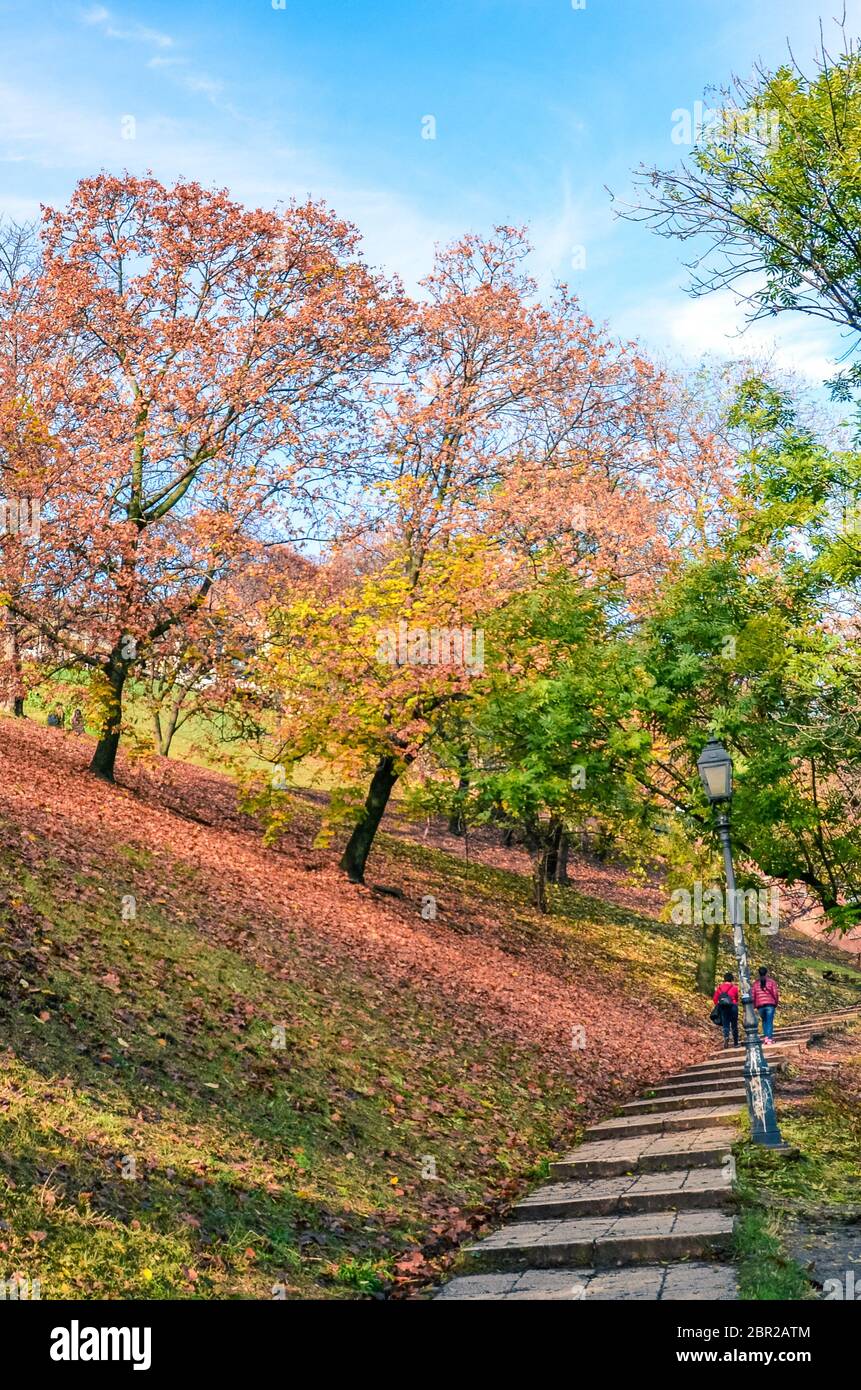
764	1271
153	1142
824	1179
827	1131
819	967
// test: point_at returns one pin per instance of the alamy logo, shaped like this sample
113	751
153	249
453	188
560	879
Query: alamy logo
725	125
845	1288
76	1343
19	1288
20	516
755	907
436	646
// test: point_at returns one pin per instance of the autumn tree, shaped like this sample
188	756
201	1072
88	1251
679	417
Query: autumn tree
508	420
551	731
356	683
757	640
768	201
202	672
204	387
24	447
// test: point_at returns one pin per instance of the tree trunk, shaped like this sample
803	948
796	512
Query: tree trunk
13	688
13	704
456	825
539	878
553	851
355	856
105	755
707	963
164	732
562	857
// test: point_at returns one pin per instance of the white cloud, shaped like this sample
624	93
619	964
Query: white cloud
72	139
198	82
101	18
715	324
177	69
570	239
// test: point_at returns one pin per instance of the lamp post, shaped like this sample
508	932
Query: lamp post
715	768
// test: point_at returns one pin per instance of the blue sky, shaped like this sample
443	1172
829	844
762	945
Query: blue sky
537	106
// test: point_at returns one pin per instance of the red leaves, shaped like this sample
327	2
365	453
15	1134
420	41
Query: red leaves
178	353
470	981
457	1024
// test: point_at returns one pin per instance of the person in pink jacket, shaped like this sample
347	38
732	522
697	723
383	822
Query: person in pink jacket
766	997
726	1000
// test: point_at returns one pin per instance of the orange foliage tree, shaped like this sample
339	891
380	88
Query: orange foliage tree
511	425
202	387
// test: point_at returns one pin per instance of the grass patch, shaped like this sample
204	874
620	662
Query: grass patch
823	1181
155	1144
764	1271
826	1128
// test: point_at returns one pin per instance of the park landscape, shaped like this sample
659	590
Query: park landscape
358	648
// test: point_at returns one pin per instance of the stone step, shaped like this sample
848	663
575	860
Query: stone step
665	1122
724	1073
686	1282
734	1057
686	1100
833	1016
649	1186
687	1086
705	1083
790	1035
682	1188
726	1056
597	1242
646	1153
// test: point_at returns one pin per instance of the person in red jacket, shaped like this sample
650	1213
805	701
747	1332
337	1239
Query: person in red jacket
726	1000
766	997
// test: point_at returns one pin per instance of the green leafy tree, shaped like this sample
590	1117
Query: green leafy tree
770	199
550	730
755	640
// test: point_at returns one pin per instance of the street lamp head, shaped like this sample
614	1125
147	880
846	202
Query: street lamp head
715	768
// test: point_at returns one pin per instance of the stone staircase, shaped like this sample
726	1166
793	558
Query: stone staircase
643	1208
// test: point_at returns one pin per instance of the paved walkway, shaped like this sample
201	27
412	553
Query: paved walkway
643	1208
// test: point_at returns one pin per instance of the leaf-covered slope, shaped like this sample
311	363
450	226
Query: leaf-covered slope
258	1077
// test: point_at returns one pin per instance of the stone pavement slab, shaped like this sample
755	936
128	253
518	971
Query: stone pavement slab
683	1188
666	1122
656	1283
602	1240
646	1153
693	1281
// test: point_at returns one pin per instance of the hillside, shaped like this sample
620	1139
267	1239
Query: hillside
257	1076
